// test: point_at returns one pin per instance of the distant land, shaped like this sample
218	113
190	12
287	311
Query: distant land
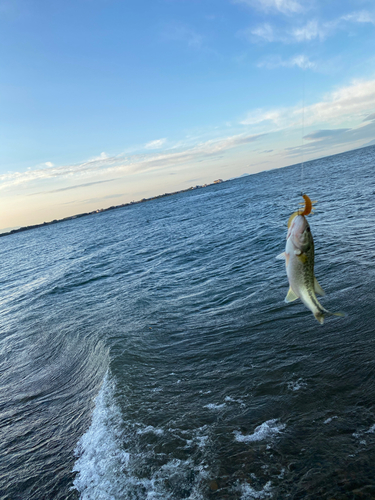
56	221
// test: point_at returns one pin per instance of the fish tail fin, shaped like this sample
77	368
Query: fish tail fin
320	315
340	313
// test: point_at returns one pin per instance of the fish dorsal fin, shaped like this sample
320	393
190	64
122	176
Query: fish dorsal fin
291	296
318	289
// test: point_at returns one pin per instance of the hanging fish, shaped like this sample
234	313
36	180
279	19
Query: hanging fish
299	260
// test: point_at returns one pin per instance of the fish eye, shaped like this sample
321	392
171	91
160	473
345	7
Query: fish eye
308	229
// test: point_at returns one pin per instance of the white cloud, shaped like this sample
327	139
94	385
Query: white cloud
102	156
306	33
283	6
362	16
258	116
349	104
312	30
345	108
309	32
300	61
157	144
264	32
102	166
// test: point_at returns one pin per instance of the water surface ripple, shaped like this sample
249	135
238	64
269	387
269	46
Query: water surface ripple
147	352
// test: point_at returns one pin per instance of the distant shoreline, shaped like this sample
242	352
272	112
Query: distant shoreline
56	221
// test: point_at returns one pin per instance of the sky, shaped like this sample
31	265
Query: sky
107	101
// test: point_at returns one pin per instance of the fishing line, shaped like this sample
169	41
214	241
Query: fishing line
303	128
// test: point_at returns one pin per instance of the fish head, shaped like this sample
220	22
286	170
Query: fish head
299	232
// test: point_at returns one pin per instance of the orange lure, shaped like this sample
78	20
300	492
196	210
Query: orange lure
306	211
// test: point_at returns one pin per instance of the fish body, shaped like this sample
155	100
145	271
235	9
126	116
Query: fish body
299	260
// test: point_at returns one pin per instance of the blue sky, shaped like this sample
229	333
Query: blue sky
104	101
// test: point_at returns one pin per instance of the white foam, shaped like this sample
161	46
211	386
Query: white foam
200	441
213	406
359	434
150	429
267	430
296	385
107	470
229	399
250	493
329	420
101	460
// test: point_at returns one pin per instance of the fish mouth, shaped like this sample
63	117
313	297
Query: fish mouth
298	225
298	232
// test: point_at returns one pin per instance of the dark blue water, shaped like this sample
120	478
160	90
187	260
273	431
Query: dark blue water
147	352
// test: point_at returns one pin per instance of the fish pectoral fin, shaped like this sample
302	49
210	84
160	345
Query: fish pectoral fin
318	289
284	256
291	296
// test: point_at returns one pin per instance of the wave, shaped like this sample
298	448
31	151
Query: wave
111	463
266	430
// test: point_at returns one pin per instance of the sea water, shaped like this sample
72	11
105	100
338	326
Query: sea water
147	352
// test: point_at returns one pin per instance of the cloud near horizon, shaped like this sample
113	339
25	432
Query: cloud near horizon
322	140
103	164
157	144
338	118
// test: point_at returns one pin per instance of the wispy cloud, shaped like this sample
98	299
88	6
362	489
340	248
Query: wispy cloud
337	118
310	31
362	16
300	61
321	141
263	32
157	144
319	135
121	165
349	103
69	188
283	6
314	29
304	33
92	166
258	116
177	32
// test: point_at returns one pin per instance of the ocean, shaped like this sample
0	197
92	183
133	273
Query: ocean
147	352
